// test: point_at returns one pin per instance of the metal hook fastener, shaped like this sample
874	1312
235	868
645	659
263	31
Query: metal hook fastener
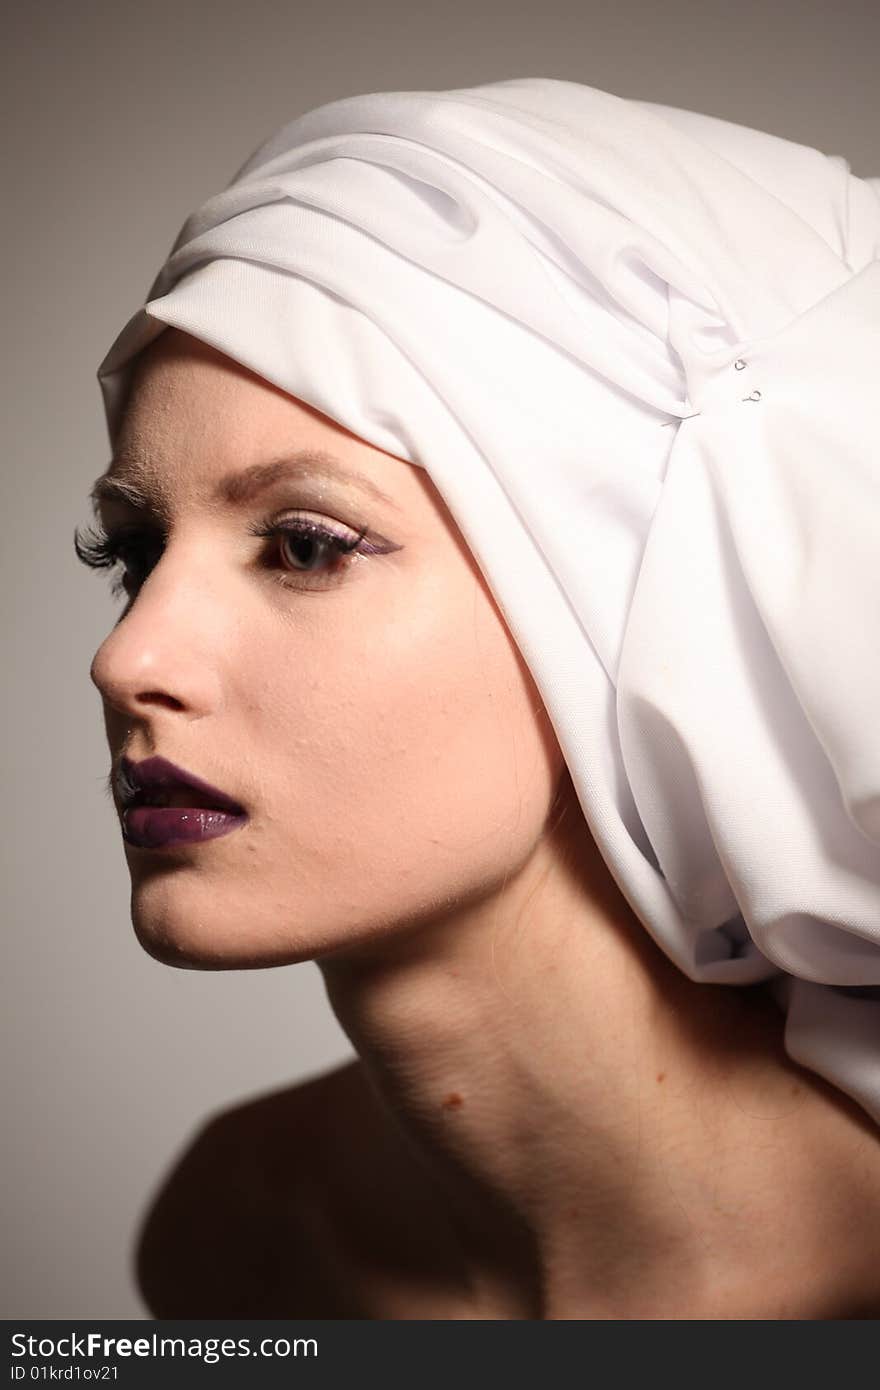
739	364
755	396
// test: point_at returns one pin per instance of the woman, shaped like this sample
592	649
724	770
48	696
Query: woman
493	478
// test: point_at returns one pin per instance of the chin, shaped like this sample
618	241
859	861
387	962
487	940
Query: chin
185	950
189	941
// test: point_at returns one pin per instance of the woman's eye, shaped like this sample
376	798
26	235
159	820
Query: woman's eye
308	548
139	556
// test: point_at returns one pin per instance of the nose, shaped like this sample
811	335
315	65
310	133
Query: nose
162	653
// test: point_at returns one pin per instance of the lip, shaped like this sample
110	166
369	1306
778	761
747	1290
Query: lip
146	826
167	827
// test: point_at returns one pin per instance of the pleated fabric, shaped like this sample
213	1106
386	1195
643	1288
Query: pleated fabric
637	350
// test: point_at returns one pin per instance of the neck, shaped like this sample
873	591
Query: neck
611	1139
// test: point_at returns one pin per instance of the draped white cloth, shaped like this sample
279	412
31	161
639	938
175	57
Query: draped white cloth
638	351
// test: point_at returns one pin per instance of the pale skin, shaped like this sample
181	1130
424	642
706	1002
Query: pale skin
545	1119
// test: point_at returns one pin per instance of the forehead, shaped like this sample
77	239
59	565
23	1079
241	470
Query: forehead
187	396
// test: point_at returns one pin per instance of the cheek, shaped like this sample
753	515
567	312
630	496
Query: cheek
417	761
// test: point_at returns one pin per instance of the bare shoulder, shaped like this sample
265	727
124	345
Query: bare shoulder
304	1202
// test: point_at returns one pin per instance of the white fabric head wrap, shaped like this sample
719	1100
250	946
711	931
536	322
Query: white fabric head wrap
638	351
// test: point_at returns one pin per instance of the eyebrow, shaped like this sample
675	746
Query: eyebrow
127	480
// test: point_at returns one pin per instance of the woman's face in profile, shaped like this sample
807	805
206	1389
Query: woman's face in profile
367	707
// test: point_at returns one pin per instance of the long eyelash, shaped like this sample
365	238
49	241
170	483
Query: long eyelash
94	548
311	529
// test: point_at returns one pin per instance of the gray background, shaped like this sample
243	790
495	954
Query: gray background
120	118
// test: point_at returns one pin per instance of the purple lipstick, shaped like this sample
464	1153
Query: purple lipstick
164	806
